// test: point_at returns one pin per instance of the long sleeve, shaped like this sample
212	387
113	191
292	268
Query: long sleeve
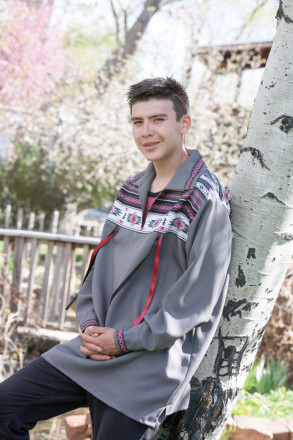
191	300
84	309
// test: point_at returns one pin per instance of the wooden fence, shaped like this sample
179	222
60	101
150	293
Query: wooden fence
71	223
41	272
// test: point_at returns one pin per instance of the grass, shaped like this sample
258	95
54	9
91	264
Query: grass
265	392
276	404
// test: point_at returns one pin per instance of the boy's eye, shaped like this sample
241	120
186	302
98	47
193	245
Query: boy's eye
136	122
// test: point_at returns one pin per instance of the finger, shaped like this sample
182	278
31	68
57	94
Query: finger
86	336
87	339
87	351
93	347
100	357
90	329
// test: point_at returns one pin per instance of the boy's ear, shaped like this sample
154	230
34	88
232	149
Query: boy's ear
186	123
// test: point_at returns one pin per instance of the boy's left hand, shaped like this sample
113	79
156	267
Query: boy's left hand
99	341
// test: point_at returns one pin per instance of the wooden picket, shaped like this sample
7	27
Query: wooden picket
39	290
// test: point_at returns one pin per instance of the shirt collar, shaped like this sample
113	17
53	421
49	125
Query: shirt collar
181	176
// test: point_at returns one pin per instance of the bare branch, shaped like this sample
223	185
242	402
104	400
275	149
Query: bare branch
116	18
115	64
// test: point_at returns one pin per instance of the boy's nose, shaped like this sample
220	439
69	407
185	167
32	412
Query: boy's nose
146	129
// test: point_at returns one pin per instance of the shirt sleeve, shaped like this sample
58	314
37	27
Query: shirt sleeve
192	299
85	312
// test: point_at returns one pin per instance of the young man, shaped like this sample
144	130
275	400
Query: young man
153	295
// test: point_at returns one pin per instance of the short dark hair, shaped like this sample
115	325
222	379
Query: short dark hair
160	88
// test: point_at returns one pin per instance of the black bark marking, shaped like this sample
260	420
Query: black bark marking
234	308
238	234
281	14
272	196
251	253
286	123
229	356
257	154
258	334
207	411
240	281
171	426
286	236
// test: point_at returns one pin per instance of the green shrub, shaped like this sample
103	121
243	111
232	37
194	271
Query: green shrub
277	404
264	378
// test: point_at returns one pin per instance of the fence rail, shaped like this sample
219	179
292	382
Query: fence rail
40	272
69	223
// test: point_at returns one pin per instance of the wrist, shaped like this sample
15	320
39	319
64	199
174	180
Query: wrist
119	340
88	323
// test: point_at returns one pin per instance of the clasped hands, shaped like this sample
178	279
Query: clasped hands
99	343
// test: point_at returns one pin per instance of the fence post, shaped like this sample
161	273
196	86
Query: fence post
17	273
31	221
33	264
19	218
42	221
7	216
54	224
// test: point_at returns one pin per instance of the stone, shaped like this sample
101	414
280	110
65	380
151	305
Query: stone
251	428
280	429
290	424
78	427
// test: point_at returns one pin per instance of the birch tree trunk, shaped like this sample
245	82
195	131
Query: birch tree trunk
262	204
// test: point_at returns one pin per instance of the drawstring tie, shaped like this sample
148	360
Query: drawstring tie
93	257
153	283
157	245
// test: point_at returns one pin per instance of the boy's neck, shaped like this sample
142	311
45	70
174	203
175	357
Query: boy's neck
165	171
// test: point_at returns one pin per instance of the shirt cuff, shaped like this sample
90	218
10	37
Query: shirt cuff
89	322
119	340
131	337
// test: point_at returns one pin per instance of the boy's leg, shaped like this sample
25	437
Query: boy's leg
109	423
36	392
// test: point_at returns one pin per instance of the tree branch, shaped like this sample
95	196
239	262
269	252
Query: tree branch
119	58
116	18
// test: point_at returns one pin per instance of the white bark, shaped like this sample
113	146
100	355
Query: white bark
262	206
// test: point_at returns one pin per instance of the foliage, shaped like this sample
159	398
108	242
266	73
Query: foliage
31	181
262	379
81	143
31	53
226	433
276	404
220	136
67	131
90	47
278	337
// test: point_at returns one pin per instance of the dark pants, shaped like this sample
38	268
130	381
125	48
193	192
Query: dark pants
39	391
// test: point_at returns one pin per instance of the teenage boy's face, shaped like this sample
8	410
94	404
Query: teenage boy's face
157	133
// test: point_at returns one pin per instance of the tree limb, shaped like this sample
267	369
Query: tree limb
115	63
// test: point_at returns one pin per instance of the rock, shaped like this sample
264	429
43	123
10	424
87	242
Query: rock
280	429
251	428
78	427
290	424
